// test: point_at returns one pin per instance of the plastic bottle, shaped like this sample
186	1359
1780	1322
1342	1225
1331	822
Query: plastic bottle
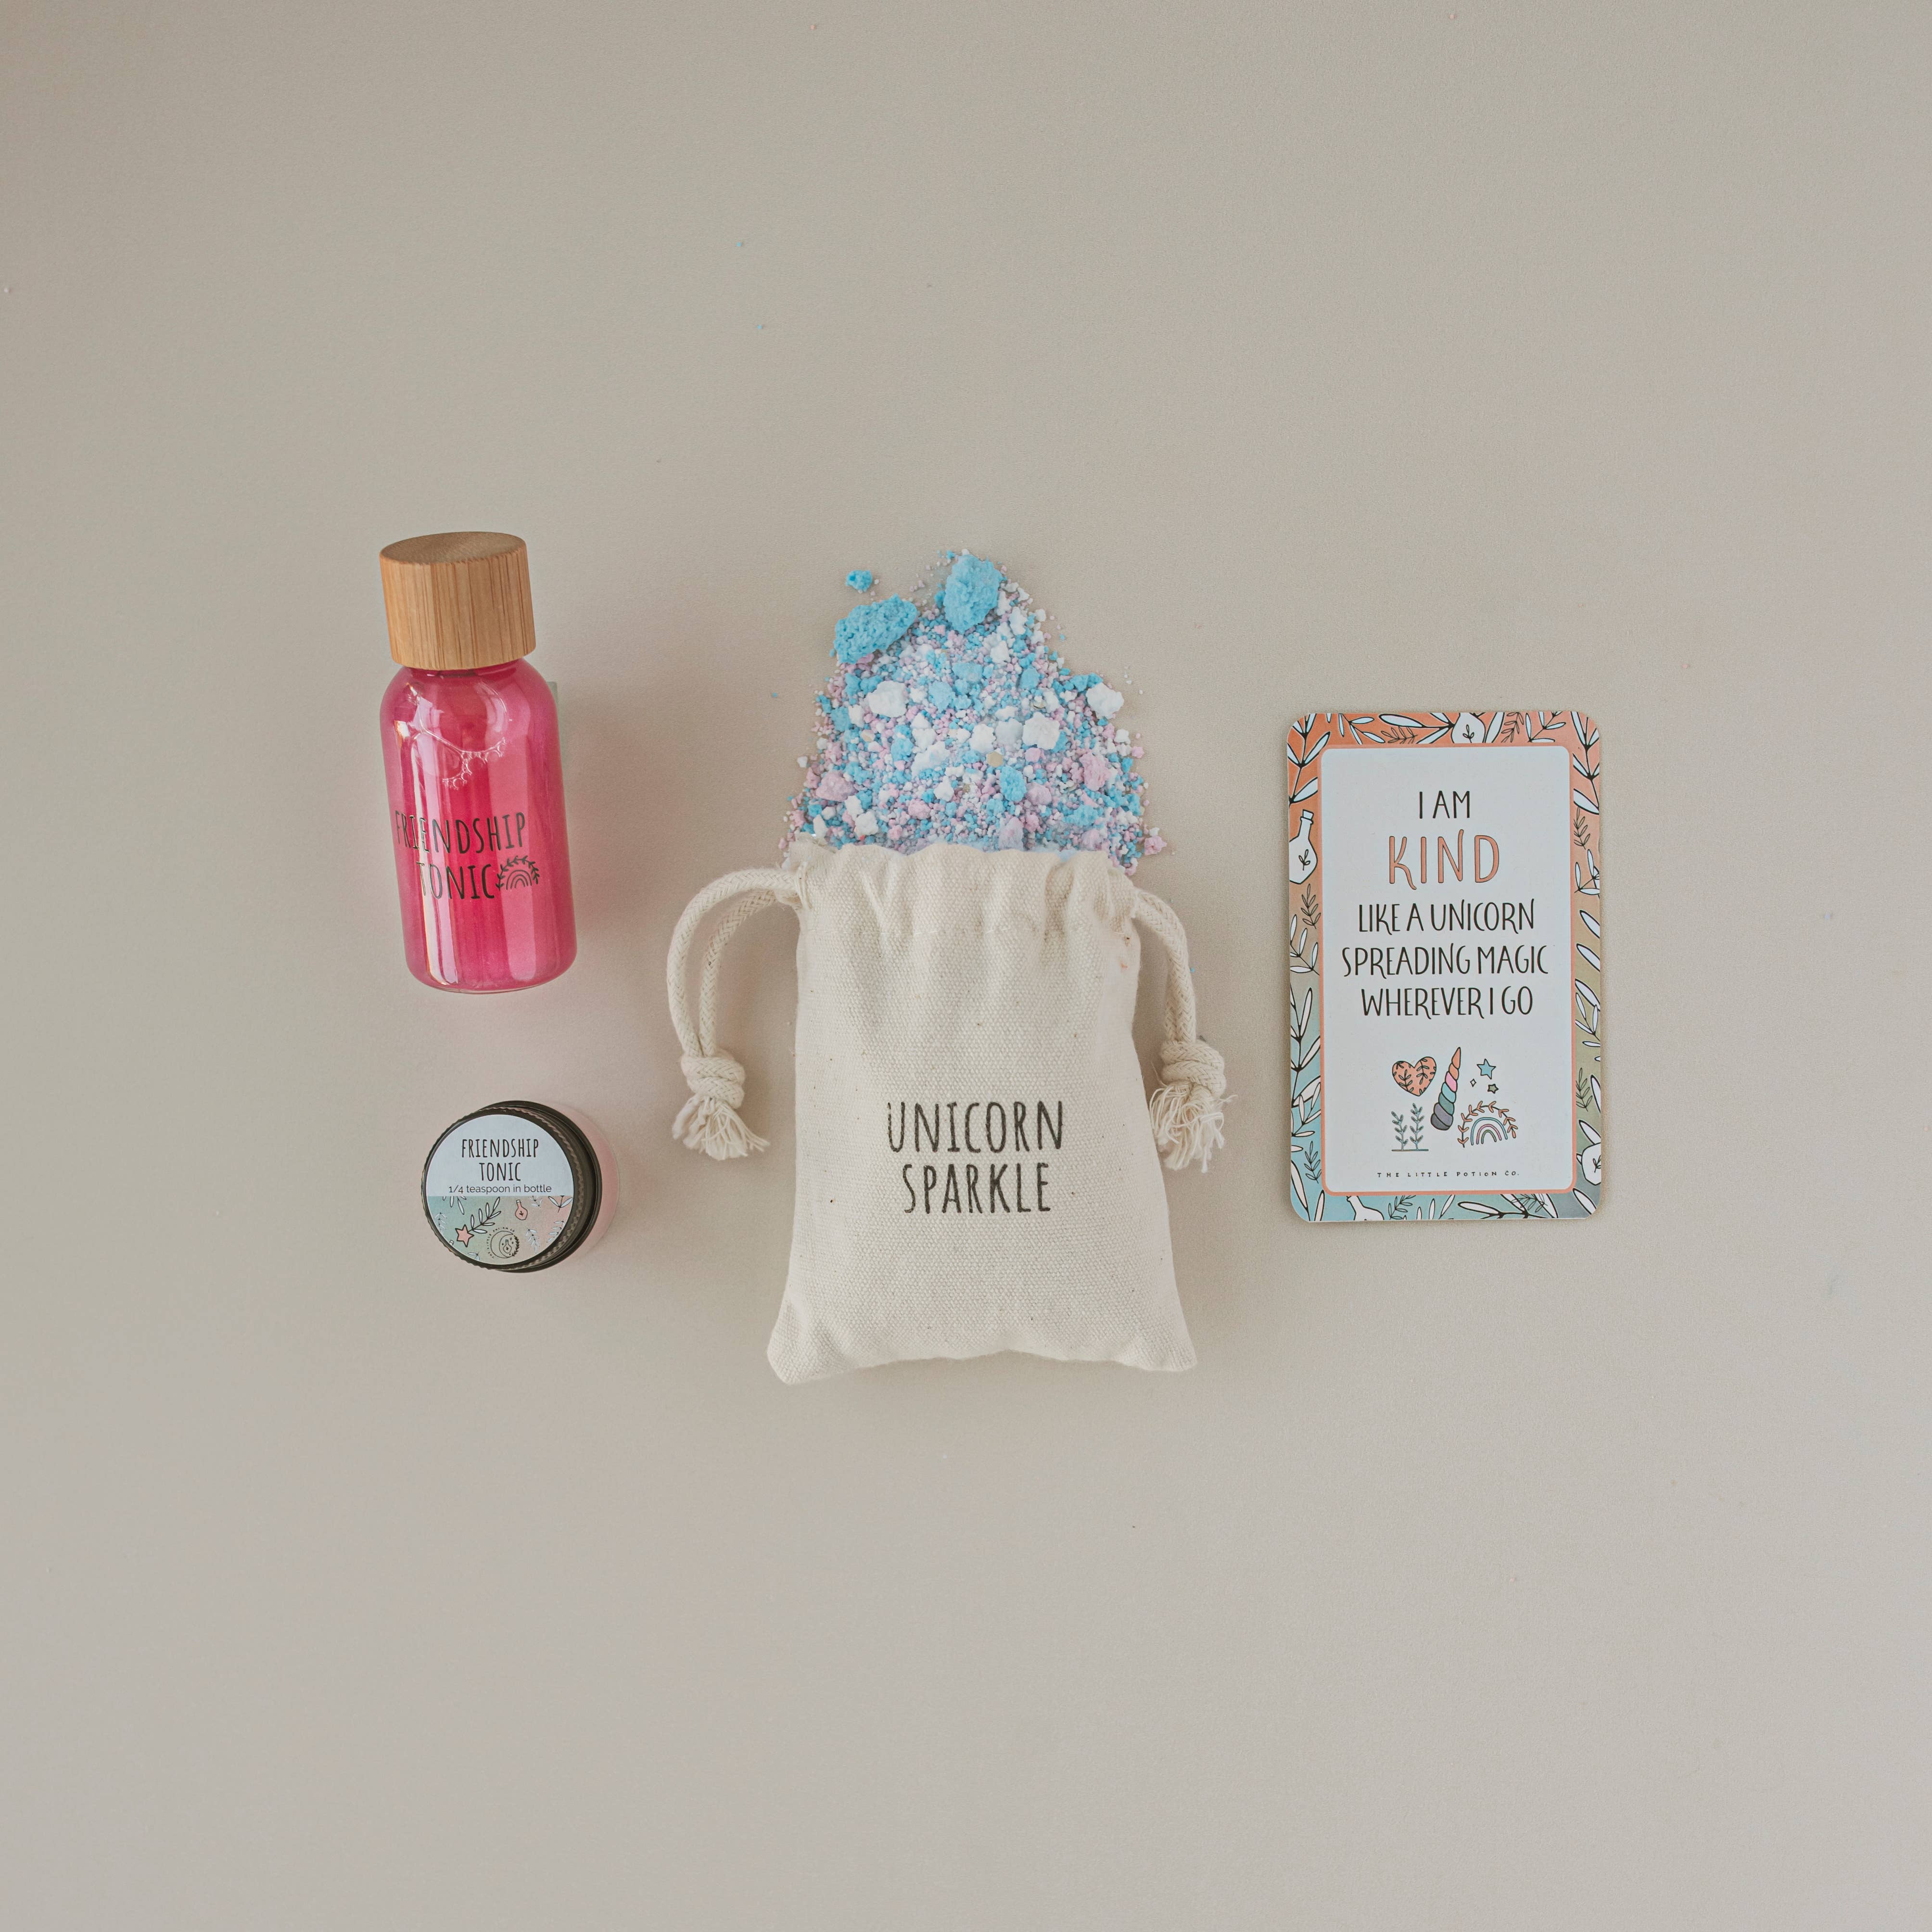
475	782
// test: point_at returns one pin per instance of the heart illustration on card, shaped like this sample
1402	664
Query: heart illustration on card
1414	1079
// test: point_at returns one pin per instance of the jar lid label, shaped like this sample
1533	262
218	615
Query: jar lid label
499	1189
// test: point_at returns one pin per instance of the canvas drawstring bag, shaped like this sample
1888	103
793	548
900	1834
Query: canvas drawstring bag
978	1167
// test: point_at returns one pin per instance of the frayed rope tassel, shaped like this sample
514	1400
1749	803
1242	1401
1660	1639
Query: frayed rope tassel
709	1120
1186	1109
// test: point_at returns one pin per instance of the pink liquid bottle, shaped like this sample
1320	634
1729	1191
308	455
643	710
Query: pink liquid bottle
475	783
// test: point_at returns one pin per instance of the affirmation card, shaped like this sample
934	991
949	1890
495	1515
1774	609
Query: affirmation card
1445	968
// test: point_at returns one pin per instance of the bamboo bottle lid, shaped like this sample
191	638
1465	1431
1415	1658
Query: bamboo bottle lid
459	601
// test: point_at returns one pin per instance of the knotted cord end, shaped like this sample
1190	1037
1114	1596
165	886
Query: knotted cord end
709	1122
1186	1109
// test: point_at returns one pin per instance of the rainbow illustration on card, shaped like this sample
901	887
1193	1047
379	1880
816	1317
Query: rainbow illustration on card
1445	966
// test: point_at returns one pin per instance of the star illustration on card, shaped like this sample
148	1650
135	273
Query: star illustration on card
1485	1069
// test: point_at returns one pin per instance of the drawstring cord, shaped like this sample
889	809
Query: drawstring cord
1185	1108
709	1121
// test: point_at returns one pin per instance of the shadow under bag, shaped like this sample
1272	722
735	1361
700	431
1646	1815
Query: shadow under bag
978	1167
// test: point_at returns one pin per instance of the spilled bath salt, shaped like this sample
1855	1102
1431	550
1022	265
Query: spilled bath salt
951	717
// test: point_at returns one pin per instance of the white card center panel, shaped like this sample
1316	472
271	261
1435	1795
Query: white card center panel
1418	964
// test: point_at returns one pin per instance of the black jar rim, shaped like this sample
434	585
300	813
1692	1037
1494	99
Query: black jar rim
586	1182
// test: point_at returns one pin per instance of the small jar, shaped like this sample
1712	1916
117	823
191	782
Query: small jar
518	1186
469	744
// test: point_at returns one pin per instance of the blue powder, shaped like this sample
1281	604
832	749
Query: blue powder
869	628
970	592
857	580
964	665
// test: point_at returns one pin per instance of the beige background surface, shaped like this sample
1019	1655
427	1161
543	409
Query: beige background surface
1498	1578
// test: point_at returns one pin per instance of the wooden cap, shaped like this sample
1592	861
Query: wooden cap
459	601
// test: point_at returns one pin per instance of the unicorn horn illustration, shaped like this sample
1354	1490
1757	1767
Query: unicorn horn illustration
1445	1115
